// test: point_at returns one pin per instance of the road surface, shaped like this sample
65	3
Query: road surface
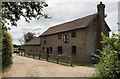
28	67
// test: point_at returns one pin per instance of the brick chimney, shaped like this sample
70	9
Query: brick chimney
101	11
100	23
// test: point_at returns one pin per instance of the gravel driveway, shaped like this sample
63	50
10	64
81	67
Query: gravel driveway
28	67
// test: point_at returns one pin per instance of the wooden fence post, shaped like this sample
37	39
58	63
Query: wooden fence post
71	64
39	56
47	57
33	55
71	61
57	60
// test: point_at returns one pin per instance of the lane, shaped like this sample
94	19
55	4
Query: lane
28	67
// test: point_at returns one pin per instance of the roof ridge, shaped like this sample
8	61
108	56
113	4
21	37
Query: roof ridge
35	40
73	20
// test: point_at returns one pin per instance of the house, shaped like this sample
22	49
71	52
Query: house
33	46
79	38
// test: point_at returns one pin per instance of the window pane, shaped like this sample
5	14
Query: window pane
43	50
59	49
66	38
73	50
73	34
50	49
45	40
59	36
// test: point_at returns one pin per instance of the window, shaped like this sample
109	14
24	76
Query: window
50	49
47	50
36	50
45	40
59	36
59	49
43	49
73	34
66	39
73	50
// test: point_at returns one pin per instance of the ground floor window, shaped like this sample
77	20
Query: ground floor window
60	50
73	49
43	49
47	50
50	49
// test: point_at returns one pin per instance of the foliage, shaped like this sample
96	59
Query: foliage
13	11
109	65
95	58
6	48
28	36
16	46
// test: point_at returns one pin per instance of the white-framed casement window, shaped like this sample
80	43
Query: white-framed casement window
45	41
66	38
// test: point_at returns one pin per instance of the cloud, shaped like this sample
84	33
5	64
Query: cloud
33	29
112	20
63	11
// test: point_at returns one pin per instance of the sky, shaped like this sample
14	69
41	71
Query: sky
62	11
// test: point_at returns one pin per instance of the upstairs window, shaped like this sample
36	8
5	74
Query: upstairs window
66	38
59	36
45	40
73	34
73	50
43	49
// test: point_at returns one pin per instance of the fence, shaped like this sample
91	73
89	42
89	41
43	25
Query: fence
58	58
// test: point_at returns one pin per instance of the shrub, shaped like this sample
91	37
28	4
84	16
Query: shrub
95	58
109	66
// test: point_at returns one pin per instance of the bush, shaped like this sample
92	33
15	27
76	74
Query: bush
6	49
95	58
109	66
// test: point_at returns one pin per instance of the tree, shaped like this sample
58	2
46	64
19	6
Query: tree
13	11
6	48
109	65
28	36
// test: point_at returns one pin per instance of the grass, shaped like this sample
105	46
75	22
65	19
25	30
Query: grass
65	63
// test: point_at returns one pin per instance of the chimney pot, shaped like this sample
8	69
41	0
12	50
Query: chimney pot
101	8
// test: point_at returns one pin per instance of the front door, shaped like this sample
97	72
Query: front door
48	51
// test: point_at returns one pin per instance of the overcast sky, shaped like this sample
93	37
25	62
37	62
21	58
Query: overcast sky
63	11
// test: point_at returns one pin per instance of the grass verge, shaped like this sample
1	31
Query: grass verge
65	63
